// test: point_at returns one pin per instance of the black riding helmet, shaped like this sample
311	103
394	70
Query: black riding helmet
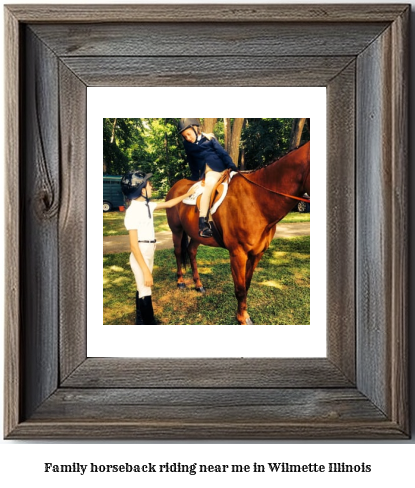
132	183
186	124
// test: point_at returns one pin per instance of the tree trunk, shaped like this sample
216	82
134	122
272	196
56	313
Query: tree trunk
296	132
113	131
241	164
209	125
236	139
228	134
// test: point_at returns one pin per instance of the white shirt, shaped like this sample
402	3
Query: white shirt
136	218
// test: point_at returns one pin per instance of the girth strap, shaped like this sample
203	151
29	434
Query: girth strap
216	234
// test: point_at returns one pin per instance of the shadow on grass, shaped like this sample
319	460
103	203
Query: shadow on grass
279	293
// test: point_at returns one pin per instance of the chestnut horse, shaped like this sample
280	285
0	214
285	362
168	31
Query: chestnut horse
247	219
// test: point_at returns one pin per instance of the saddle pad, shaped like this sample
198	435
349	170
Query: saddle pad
193	198
220	194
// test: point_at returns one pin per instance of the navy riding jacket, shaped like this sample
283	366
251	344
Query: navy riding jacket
207	152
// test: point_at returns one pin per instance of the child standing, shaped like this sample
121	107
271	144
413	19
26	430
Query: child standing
140	225
206	157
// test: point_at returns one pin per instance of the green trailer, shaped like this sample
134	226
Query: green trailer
113	196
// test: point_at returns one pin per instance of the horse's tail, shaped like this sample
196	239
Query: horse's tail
184	249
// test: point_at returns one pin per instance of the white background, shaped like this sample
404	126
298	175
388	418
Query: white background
21	463
209	341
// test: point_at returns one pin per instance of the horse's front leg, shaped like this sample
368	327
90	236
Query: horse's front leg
251	264
177	242
238	267
192	254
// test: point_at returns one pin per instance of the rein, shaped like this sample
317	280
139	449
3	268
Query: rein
307	200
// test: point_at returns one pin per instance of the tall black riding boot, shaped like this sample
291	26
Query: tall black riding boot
204	228
147	312
138	317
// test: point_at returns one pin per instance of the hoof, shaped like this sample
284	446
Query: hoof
201	290
249	321
181	286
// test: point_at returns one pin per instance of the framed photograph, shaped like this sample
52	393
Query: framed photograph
191	323
53	388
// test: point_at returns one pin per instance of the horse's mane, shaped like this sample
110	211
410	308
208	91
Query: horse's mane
262	166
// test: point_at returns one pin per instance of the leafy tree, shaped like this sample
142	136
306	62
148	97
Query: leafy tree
154	145
265	140
297	132
209	125
166	156
121	137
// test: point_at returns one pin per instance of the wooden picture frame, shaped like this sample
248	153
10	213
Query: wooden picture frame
360	53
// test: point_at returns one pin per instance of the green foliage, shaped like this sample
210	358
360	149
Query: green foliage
265	140
123	138
153	145
166	155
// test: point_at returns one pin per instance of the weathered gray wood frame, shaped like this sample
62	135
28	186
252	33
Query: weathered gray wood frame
359	52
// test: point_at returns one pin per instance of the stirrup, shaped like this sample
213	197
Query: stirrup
206	232
204	228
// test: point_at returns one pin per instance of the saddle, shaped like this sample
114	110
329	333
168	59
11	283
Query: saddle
218	194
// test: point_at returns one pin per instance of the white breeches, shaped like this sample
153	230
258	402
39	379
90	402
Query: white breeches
147	250
211	178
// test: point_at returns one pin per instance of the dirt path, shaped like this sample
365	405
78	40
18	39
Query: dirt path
118	244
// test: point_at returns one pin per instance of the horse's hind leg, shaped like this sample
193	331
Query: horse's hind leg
192	254
177	242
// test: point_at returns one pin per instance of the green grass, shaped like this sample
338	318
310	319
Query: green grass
113	222
279	293
296	217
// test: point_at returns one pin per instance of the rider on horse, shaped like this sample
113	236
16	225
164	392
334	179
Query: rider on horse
206	158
